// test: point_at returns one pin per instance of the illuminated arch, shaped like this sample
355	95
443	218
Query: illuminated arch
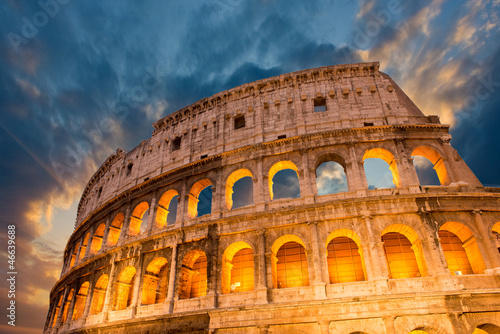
345	257
193	196
74	254
454	256
403	251
96	244
288	269
237	267
81	298
193	277
155	282
99	294
56	311
163	205
277	167
136	218
487	326
123	288
388	157
437	161
83	247
69	298
231	180
115	229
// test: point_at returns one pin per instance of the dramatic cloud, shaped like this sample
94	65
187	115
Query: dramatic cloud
79	80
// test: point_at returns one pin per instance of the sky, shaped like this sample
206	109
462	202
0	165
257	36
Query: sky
79	79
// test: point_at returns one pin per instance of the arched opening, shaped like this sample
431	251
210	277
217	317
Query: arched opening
166	212
330	175
96	244
83	247
98	295
284	180
123	287
200	199
426	174
81	298
237	268
437	162
344	258
155	282
69	298
193	280
115	229
138	220
56	311
496	233
289	262
75	253
381	169
403	252
239	189
487	329
462	255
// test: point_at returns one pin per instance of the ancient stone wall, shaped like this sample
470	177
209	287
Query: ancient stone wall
418	257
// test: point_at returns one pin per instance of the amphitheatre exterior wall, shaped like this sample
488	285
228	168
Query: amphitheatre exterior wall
116	255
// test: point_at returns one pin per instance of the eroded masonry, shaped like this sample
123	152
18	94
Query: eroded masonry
146	255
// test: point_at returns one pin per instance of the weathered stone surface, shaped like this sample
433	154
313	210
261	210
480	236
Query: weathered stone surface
128	272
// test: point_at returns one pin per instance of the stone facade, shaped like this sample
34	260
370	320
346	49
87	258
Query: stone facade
124	273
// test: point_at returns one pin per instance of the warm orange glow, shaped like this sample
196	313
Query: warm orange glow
193	196
155	282
242	274
73	256
83	247
435	158
388	157
98	295
455	254
136	218
124	284
96	244
81	298
162	209
56	311
344	261
291	267
279	166
66	305
115	229
400	256
231	180
469	245
193	276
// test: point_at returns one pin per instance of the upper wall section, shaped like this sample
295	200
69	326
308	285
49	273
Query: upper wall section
289	105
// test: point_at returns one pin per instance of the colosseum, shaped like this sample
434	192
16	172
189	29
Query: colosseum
196	229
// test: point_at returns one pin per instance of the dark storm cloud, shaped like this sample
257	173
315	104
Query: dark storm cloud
95	75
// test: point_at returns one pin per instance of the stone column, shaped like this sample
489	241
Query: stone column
357	178
437	264
109	289
72	306
126	224
152	215
106	233
213	259
182	205
319	280
389	325
259	189
492	259
261	268
89	242
169	300
325	327
136	294
306	189
376	252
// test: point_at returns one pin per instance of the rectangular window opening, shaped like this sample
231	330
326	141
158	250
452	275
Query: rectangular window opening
281	136
368	123
239	122
129	169
176	144
204	156
319	105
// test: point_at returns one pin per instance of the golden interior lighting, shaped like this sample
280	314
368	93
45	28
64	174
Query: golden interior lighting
97	238
437	161
400	256
292	269
124	284
66	306
344	261
136	219
83	247
56	311
199	280
242	273
81	298
155	282
115	229
455	254
98	295
162	208
279	166
193	196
